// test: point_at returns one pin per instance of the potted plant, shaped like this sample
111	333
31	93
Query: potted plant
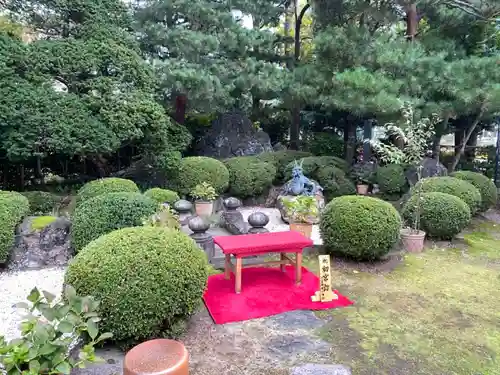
415	137
204	195
301	211
363	174
49	332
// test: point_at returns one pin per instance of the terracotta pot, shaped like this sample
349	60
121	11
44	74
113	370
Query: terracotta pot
204	208
362	189
413	241
304	228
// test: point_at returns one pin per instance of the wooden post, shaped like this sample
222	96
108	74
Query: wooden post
238	274
325	293
227	267
298	268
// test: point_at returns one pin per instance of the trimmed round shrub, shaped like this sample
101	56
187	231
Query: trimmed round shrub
105	185
334	182
391	179
359	227
195	170
148	281
486	187
42	202
162	195
249	177
442	215
313	164
280	159
454	186
108	212
13	207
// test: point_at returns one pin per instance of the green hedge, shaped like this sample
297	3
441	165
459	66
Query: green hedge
324	144
442	215
13	207
335	183
280	159
359	227
249	177
105	185
148	281
391	179
198	169
162	195
313	164
454	186
42	202
108	212
485	186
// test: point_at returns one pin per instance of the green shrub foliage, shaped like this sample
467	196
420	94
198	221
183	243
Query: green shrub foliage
42	202
359	227
485	186
313	164
391	179
335	183
13	207
326	144
454	186
148	280
442	215
105	185
162	195
198	169
108	212
249	177
281	159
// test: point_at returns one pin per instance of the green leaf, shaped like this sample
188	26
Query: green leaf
49	313
104	336
65	327
34	366
48	348
63	368
70	292
22	305
49	296
92	329
34	295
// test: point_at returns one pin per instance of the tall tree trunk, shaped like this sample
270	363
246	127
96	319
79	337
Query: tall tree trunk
350	141
470	150
180	108
411	22
467	136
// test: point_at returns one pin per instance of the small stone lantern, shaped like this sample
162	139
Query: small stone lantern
184	208
204	240
257	221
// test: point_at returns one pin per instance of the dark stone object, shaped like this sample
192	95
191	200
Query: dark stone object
204	240
317	369
258	220
232	203
231	219
233	134
430	168
293	320
184	208
285	346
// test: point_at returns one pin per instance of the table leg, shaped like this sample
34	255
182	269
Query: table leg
282	259
227	267
238	275
298	268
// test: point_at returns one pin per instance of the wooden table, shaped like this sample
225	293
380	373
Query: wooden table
247	245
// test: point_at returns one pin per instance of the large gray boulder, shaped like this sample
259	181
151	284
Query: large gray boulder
430	168
233	134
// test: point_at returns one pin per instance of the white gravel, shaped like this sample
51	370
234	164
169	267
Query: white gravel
15	287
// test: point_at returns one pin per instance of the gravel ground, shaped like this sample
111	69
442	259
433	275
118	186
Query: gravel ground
15	287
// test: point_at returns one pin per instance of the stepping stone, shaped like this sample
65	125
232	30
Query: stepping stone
315	369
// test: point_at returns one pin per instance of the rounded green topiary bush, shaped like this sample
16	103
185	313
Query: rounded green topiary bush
442	215
313	164
334	182
485	186
280	159
42	202
162	195
148	281
195	170
359	227
103	186
13	207
454	186
391	179
249	177
108	212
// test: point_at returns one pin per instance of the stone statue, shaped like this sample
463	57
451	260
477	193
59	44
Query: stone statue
300	184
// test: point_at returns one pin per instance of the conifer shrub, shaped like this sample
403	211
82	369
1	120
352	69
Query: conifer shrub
195	170
454	186
108	212
281	159
148	280
391	179
160	195
486	187
42	202
442	216
248	176
359	227
103	186
13	207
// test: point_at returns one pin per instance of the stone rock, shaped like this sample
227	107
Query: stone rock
231	219
257	221
320	199
233	134
289	345
430	168
36	249
295	320
317	369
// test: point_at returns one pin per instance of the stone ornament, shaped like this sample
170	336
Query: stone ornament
257	221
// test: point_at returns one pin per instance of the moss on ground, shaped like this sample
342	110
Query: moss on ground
40	222
437	313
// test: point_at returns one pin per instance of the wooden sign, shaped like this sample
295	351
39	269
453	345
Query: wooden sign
325	293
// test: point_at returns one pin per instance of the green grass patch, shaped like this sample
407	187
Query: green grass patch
40	222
